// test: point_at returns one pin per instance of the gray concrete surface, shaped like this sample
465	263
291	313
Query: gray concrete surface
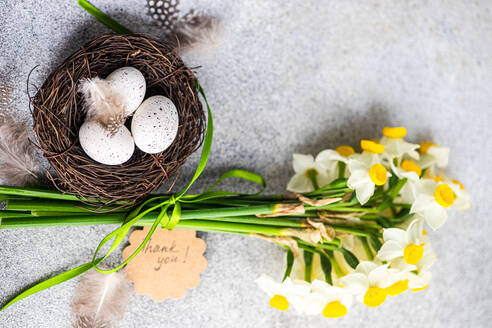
290	76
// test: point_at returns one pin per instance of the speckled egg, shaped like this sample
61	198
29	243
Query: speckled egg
105	148
130	84
155	124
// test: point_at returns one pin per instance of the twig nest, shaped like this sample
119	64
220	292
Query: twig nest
155	124
59	112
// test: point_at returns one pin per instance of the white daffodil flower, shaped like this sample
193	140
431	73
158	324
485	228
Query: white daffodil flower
306	298
336	300
462	201
417	276
411	171
323	169
399	243
368	283
395	146
329	160
431	202
367	171
285	293
346	152
432	154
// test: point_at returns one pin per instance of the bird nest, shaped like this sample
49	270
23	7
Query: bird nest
58	114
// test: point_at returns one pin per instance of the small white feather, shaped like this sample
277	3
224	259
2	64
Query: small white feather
100	299
200	33
19	159
102	103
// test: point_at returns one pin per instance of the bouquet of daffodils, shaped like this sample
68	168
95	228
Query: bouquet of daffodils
397	190
353	226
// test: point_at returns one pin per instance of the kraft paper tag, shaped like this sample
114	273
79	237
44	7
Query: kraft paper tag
168	265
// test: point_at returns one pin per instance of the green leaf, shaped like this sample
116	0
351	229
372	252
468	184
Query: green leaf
103	18
375	242
385	222
290	263
349	257
326	267
308	262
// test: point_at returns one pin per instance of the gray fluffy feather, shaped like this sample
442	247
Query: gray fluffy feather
198	33
100	299
18	157
102	103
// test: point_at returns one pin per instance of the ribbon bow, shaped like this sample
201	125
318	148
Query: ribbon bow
162	202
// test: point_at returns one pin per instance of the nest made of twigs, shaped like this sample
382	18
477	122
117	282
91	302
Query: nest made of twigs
58	114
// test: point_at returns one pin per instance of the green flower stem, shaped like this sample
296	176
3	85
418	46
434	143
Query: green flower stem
39	193
268	226
103	18
57	206
312	176
396	189
341	169
354	231
43	213
263	221
7	214
56	221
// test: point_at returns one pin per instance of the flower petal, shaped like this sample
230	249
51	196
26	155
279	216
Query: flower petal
380	277
390	250
364	191
355	283
300	183
395	234
267	284
435	216
414	231
302	162
440	154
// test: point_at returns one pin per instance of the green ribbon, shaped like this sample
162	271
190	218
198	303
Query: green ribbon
164	203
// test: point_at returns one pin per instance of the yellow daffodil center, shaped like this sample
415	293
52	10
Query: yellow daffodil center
459	184
345	151
394	133
279	302
375	296
378	174
424	147
413	253
424	232
410	166
371	146
419	289
334	309
444	195
397	288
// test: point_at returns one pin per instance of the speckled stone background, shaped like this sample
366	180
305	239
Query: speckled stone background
290	76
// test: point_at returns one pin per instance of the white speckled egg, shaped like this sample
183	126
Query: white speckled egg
130	85
155	124
103	147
